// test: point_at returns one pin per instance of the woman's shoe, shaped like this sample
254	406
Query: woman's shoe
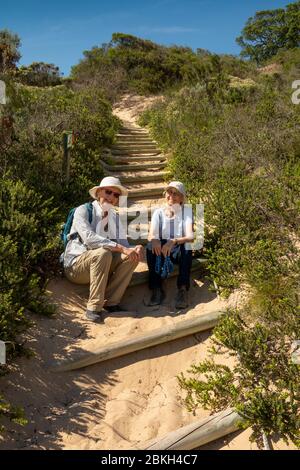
181	300
156	297
115	309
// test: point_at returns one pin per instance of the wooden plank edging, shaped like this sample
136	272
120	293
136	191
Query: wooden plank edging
199	433
139	278
167	333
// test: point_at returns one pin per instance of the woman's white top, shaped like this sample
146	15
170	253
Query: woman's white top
174	221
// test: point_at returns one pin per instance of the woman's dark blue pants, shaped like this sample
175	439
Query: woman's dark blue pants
184	261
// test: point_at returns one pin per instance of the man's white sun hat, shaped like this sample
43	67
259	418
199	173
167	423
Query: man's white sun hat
109	181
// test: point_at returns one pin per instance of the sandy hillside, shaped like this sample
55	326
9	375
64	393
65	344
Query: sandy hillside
119	404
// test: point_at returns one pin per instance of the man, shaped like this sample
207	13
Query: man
96	254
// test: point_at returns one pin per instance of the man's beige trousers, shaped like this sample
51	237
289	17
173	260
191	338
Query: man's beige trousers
107	273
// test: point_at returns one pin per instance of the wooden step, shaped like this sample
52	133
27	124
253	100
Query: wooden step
146	192
132	129
132	167
140	241
134	153
135	142
135	149
133	133
139	278
126	137
154	177
133	209
158	201
130	160
98	353
136	177
137	138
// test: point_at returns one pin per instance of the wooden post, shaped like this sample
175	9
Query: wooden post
199	433
6	120
2	103
2	353
170	332
67	145
2	92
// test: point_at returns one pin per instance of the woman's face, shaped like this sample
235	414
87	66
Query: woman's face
173	197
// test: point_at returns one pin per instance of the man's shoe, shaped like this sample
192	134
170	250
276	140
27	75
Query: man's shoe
181	300
156	297
96	317
115	309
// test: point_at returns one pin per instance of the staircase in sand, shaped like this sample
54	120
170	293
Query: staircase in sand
136	159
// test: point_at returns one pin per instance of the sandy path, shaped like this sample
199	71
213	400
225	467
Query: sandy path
118	404
122	403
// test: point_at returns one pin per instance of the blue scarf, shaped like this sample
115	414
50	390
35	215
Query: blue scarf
166	269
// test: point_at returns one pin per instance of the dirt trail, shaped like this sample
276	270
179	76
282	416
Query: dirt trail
122	403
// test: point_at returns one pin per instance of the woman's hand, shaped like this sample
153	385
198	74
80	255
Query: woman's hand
166	249
156	247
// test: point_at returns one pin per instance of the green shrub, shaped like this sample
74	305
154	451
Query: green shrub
262	385
35	199
239	155
142	66
27	223
14	413
35	154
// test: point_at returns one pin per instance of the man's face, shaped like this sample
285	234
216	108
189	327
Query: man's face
109	195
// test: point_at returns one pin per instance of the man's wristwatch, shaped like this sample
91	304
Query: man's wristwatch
175	241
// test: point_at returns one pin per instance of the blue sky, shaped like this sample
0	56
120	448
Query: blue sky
58	31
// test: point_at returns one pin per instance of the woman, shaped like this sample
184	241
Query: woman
171	232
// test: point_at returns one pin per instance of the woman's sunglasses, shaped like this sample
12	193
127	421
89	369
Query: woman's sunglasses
172	193
109	192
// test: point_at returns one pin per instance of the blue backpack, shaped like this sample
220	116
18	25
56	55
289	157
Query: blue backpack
66	228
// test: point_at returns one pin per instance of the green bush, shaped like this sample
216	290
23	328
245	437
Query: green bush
35	198
39	74
142	66
27	223
14	413
239	155
263	383
35	154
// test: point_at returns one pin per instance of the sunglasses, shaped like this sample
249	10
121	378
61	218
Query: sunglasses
173	193
109	192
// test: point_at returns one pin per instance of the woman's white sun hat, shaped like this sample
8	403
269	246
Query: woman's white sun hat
109	181
178	186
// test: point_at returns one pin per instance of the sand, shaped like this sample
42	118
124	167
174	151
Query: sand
122	403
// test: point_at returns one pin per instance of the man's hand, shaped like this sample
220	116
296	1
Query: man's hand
140	251
131	253
156	247
166	249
